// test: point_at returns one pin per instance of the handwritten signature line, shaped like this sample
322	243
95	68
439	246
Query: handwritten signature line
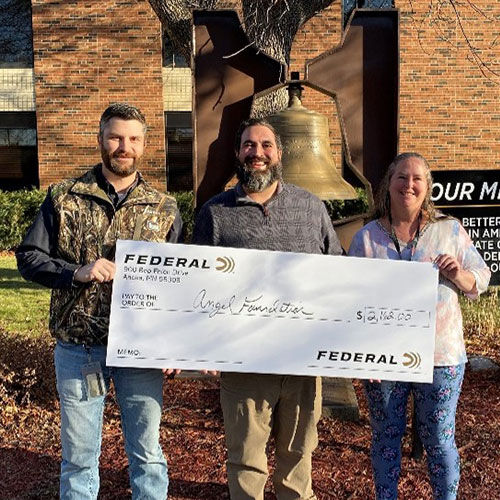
334	320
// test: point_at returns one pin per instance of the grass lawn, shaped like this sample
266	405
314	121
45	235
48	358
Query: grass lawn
24	306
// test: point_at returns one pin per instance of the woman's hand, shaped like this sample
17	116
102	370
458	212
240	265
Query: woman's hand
451	269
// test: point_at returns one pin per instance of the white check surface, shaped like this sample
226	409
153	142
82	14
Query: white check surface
227	309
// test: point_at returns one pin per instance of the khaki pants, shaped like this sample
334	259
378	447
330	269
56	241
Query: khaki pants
256	405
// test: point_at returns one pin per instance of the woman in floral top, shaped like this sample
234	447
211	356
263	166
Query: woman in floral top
409	228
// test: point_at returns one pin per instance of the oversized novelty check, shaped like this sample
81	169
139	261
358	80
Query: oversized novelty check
227	309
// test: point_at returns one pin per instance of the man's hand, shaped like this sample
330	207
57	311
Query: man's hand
171	372
101	270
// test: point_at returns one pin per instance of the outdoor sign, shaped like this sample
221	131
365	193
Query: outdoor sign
473	197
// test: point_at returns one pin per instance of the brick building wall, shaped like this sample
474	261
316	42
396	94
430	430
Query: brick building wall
87	55
449	109
318	35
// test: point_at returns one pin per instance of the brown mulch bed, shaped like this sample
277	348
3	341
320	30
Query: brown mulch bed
193	439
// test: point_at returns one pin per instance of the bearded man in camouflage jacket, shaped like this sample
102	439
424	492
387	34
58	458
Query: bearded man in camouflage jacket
70	248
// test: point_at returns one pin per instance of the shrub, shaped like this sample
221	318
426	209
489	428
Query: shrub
338	209
185	202
18	210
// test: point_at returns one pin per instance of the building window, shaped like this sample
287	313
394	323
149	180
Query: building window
179	140
18	150
16	35
349	5
171	59
17	137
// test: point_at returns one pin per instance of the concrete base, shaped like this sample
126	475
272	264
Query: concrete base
479	363
194	374
339	399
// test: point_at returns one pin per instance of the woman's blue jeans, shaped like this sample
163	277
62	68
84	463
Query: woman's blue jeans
140	396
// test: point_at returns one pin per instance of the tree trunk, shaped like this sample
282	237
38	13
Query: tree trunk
270	24
175	17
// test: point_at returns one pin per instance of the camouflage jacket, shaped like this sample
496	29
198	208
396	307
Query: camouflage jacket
89	226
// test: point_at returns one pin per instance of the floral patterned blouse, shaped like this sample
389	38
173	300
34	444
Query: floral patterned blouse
446	235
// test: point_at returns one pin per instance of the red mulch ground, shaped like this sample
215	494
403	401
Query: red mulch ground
193	439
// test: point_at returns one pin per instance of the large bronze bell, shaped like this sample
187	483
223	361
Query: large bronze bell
307	159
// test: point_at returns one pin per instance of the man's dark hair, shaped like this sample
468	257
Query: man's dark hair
123	111
250	123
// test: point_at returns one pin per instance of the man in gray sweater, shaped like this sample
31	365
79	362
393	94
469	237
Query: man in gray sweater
262	212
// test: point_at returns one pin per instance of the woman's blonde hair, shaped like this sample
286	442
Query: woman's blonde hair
383	199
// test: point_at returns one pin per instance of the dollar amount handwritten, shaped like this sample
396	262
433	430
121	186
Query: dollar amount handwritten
394	316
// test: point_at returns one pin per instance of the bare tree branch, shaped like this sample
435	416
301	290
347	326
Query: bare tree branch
238	51
477	9
445	24
473	51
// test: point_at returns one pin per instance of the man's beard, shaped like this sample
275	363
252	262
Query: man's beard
111	162
255	181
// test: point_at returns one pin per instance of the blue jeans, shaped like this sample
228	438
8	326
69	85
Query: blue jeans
435	408
140	397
